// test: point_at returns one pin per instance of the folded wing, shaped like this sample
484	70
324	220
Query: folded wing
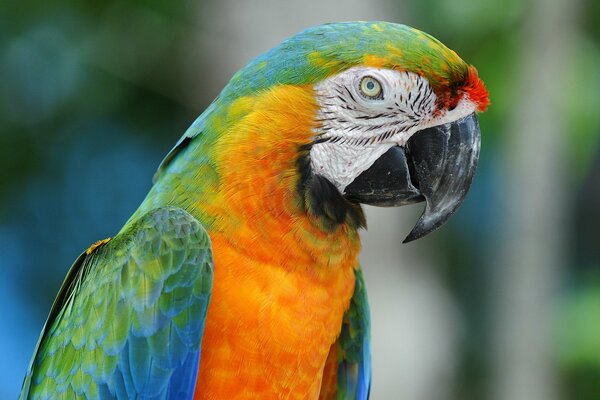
129	318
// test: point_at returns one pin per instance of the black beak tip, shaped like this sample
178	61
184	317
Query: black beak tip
428	223
413	235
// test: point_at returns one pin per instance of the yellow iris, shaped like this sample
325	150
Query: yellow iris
370	87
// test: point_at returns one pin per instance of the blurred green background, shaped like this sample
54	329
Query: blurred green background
502	303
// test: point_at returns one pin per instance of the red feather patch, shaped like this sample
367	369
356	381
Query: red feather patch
475	89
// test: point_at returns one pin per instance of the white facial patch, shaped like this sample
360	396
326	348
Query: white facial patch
355	129
342	163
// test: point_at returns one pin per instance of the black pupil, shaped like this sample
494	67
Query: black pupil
370	85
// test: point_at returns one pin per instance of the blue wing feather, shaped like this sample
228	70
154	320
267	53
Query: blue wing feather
353	352
129	319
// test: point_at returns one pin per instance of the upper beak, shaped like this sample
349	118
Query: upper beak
436	165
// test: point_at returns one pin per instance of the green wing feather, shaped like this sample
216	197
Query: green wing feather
354	348
129	319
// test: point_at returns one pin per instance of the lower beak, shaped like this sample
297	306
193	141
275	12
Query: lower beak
436	165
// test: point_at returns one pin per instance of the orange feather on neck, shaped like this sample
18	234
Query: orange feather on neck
282	283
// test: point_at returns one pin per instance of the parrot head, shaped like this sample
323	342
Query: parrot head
393	118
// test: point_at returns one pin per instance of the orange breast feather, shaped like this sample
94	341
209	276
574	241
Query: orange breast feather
281	283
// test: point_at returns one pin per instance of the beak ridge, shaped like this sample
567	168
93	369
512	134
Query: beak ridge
445	158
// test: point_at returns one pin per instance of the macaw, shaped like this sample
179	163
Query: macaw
237	277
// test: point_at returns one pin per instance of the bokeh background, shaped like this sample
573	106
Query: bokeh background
503	303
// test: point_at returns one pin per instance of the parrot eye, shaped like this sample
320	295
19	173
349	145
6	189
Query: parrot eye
370	88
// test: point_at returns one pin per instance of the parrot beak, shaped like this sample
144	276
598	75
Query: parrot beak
436	165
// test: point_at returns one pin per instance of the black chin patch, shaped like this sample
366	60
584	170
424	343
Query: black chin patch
322	200
326	202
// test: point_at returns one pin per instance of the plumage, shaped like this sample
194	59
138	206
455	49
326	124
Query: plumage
259	183
347	372
130	315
